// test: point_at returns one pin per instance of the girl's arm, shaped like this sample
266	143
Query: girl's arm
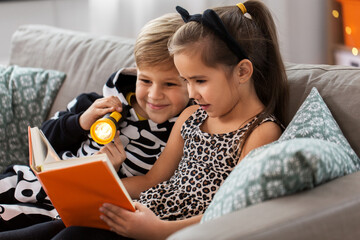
265	133
166	164
142	224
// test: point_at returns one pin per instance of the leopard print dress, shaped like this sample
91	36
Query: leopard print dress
207	161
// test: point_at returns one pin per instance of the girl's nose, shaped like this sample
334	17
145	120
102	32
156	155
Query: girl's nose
192	92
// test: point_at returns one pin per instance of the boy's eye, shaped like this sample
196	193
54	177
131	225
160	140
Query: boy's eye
200	81
145	81
170	84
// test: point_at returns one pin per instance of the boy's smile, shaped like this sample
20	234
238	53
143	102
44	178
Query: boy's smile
160	93
157	106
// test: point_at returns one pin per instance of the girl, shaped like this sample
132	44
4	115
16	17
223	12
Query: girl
230	60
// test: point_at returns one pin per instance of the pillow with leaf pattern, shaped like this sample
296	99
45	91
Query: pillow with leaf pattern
26	96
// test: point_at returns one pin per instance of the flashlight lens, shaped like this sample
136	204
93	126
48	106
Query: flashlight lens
103	131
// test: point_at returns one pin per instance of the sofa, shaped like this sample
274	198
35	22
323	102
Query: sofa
328	211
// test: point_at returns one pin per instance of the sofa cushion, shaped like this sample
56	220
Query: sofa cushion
311	151
88	60
26	96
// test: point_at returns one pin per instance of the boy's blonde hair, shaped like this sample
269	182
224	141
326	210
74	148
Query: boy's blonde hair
151	44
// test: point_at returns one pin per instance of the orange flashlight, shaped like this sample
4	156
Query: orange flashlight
104	129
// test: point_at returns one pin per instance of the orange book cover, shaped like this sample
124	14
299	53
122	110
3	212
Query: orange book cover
78	187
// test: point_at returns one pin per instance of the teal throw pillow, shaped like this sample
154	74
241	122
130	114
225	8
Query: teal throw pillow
311	151
279	169
26	96
314	120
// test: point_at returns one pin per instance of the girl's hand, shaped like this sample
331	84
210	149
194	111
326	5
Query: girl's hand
141	224
98	109
115	151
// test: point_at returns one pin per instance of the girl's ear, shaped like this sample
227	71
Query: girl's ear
244	70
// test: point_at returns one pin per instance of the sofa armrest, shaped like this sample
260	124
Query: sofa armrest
330	211
87	60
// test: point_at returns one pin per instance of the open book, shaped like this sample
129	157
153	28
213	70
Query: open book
76	187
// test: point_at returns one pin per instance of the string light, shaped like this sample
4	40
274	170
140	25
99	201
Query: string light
348	30
335	13
355	51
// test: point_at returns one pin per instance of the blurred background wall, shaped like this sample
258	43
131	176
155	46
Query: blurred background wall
302	25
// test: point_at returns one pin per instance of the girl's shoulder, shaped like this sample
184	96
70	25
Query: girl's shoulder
271	118
268	128
267	131
187	112
186	115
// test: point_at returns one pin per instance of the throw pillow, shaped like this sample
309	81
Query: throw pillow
279	169
26	95
312	150
314	120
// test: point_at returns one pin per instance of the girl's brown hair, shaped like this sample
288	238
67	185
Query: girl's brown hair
258	38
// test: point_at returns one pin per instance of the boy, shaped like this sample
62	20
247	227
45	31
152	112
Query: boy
156	95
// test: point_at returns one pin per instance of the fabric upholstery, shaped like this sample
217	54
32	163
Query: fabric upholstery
87	60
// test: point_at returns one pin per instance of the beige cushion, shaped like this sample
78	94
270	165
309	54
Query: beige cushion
339	86
87	60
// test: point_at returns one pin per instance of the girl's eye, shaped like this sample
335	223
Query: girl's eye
200	81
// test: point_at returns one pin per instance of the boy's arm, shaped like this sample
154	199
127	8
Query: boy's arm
63	129
166	164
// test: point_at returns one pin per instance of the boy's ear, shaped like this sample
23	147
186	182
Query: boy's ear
244	70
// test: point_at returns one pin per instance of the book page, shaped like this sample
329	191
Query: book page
51	155
73	162
39	149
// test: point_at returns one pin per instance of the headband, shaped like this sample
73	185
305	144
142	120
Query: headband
211	20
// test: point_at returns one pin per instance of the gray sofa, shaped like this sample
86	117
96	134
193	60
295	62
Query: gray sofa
330	211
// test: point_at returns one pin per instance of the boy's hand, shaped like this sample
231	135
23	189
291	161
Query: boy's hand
98	109
115	151
141	224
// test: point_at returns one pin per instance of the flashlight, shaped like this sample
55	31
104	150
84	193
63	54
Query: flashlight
104	129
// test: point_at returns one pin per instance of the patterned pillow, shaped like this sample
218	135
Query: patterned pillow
314	120
311	151
279	169
26	95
